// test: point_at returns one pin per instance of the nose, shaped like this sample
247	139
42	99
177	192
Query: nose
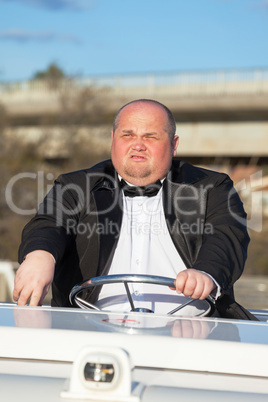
138	144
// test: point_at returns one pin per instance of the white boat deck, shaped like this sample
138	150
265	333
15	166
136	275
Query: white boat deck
166	355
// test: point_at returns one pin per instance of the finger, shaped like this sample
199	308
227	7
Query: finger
45	291
36	298
199	289
209	286
17	288
23	297
180	281
16	294
190	286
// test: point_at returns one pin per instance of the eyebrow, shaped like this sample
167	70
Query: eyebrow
148	133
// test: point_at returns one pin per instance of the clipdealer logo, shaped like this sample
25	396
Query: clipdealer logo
251	193
42	188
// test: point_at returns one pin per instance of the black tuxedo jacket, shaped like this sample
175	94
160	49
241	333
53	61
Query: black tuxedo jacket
79	224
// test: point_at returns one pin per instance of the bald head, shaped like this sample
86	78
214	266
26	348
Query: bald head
170	123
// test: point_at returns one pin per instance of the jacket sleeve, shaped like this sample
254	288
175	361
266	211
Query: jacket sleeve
51	228
225	240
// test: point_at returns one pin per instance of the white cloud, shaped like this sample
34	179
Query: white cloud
56	4
19	35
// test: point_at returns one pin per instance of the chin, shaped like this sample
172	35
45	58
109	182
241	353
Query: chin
137	173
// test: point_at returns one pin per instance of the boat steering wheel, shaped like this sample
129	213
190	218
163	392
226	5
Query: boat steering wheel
125	279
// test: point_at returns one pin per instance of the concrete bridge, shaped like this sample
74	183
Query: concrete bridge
207	91
219	114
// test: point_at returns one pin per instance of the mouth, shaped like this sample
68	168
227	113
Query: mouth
138	158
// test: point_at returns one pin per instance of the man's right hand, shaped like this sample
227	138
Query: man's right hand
33	278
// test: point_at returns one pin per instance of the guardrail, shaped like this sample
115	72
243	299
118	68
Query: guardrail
231	81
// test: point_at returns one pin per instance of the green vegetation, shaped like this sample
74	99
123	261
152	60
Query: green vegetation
53	72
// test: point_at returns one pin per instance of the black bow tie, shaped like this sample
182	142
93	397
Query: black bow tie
133	191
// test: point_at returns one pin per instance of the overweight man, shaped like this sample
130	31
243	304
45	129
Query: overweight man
140	212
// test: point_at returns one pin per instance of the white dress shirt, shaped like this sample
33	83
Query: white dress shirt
144	247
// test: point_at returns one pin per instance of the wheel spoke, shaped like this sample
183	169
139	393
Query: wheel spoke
181	306
129	296
85	303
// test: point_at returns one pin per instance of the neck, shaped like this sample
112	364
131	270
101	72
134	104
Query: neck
139	182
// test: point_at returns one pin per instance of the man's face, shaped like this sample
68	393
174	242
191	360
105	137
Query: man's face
141	148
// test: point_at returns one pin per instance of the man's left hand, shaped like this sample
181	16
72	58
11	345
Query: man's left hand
194	284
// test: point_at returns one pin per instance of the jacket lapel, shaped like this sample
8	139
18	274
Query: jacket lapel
184	203
108	201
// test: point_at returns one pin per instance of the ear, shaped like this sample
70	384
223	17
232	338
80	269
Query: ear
175	143
112	134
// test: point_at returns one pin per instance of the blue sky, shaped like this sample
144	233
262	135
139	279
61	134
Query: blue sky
105	37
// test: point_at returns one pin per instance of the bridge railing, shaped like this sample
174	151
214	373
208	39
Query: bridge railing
181	78
199	82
